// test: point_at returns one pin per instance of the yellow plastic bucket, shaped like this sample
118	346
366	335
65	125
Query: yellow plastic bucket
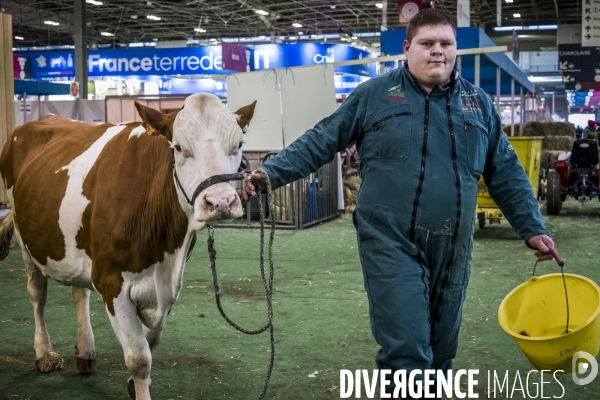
535	315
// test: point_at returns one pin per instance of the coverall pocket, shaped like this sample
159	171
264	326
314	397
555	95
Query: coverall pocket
377	244
477	145
387	136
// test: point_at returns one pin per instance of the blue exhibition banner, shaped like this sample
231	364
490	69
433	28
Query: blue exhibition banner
268	56
59	65
147	61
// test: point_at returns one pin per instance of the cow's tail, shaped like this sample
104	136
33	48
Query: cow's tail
6	232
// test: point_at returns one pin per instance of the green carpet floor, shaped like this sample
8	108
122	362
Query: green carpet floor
321	319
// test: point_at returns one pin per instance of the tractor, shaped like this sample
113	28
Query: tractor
576	176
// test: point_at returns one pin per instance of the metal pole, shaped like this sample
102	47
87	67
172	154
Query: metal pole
522	108
499	13
459	64
552	116
498	88
512	107
477	72
80	41
24	107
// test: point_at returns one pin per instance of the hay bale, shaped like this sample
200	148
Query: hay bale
549	157
563	143
532	129
506	129
353	182
558	129
351	187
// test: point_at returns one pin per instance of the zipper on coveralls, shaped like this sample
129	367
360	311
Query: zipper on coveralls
413	221
440	298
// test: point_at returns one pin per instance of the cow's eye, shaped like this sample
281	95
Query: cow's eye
240	146
178	148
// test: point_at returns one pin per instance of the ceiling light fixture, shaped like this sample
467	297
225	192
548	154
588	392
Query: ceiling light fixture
51	23
300	33
261	12
296	25
379	5
153	17
106	34
517	15
18	38
200	30
94	2
526	28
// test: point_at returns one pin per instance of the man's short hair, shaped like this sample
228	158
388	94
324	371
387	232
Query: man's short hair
427	17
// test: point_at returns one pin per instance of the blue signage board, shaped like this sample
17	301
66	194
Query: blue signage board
193	60
168	61
268	56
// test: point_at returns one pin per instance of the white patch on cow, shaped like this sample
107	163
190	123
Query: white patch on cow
15	139
156	289
137	132
76	267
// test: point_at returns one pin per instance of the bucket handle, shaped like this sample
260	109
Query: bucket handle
561	264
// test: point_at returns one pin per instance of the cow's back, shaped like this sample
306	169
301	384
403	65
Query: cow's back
32	165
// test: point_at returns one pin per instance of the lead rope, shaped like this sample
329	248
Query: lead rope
268	285
566	294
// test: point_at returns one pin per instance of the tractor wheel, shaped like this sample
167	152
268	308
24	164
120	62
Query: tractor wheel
542	189
481	219
553	196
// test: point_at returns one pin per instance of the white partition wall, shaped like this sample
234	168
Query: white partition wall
307	96
289	101
265	131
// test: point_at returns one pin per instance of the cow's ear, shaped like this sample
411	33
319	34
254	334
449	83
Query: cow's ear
245	113
152	120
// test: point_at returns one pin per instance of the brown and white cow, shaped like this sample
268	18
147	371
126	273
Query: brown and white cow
98	208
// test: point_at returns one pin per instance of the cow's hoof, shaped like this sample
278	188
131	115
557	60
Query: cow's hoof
51	362
86	366
131	388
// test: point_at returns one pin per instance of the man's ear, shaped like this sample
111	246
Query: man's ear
245	113
151	119
405	46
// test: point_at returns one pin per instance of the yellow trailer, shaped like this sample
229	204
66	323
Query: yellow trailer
529	152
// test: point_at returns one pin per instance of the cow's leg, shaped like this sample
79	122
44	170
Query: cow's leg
46	359
85	352
153	336
136	349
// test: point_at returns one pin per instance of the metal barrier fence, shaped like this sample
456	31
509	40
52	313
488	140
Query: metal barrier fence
297	205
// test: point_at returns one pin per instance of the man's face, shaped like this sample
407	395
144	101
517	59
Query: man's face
431	55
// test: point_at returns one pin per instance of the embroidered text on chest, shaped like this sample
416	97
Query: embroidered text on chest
469	102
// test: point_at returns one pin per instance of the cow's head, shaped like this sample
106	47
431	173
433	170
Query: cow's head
207	141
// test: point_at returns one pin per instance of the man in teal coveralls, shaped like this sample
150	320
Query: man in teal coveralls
424	136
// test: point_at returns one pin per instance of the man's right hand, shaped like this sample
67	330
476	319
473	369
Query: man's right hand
250	188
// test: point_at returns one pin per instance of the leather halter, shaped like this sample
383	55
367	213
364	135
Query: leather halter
207	182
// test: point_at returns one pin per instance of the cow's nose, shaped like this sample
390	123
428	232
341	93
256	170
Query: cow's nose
217	206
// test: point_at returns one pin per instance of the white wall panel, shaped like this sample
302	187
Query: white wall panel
265	132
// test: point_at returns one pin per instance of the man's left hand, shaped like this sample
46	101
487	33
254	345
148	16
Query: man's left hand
543	244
